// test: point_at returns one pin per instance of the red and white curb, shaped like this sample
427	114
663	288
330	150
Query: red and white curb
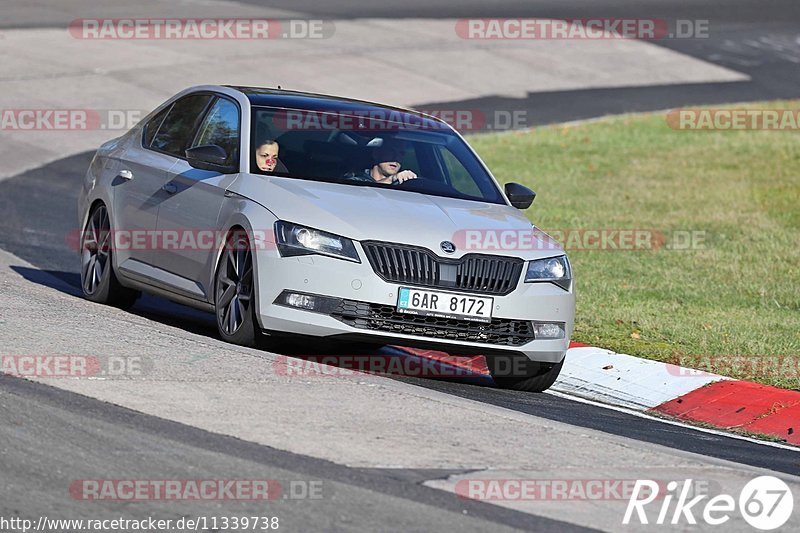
624	380
681	393
654	387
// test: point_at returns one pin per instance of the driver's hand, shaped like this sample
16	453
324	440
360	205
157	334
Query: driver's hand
405	175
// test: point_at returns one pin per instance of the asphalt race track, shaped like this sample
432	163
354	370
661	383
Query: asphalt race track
756	38
386	451
59	261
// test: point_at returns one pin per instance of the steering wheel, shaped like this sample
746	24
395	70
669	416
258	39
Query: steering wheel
404	183
427	185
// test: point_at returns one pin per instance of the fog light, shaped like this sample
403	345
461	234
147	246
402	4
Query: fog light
548	330
310	302
304	301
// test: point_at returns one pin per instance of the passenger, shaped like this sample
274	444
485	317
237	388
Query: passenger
387	166
267	155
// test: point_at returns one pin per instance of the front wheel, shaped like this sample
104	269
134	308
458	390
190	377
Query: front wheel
522	374
98	281
234	292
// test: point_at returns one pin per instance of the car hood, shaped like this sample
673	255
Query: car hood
392	215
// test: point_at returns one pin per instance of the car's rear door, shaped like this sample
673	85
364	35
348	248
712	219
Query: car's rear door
142	176
189	214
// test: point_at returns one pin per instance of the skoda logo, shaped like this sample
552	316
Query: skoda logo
448	247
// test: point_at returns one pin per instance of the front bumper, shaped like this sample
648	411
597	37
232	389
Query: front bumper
368	302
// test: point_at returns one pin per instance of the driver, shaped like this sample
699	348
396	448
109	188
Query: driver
387	166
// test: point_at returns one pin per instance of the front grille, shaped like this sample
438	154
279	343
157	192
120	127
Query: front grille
500	331
487	274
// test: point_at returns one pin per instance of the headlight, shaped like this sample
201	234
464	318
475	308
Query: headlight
553	269
298	240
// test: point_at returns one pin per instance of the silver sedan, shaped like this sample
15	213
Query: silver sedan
300	215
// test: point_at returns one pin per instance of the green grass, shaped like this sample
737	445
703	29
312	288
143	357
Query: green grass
735	297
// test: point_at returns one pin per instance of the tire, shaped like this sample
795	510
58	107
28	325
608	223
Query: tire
99	283
518	373
234	295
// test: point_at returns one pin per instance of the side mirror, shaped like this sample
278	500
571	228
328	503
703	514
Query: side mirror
520	196
209	157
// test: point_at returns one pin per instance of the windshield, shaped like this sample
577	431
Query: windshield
401	150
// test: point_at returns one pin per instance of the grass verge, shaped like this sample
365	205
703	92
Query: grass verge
720	288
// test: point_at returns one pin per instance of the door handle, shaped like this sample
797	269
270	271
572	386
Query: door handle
125	174
170	188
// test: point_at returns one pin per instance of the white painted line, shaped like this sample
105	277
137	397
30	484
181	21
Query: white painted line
642	414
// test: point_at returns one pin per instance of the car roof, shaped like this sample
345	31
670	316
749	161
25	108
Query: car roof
282	98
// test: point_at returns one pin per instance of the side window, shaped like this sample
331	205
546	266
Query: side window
175	132
151	128
221	127
460	178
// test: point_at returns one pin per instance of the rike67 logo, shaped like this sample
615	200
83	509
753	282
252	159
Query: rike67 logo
766	503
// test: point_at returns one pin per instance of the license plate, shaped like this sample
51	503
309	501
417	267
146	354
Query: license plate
444	305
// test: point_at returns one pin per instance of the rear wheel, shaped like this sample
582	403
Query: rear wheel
234	292
98	280
522	374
